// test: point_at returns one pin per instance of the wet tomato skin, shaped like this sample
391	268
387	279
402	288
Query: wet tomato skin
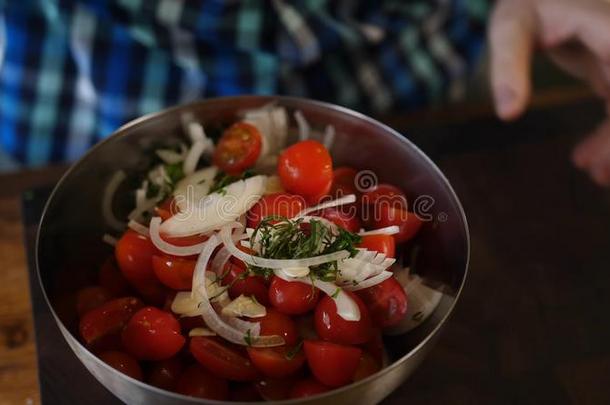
385	244
222	360
332	364
107	319
238	148
175	272
198	382
277	204
387	302
164	374
90	298
292	298
122	362
307	388
332	327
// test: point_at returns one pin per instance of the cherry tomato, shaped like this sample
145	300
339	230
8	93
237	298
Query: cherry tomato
238	148
292	298
276	362
375	346
222	360
385	194
307	388
134	254
273	389
276	323
344	219
240	392
167	209
123	362
111	279
174	272
152	334
198	382
306	168
344	182
332	364
242	283
190	322
386	301
383	215
330	326
165	373
109	318
185	240
90	298
280	204
366	367
380	243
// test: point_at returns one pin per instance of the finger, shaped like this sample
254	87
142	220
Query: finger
586	20
511	39
581	63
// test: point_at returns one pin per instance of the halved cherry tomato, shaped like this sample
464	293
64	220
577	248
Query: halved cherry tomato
306	168
276	362
240	392
292	298
123	362
386	301
385	194
167	209
332	364
344	219
165	373
222	360
383	215
111	278
198	382
344	182
278	204
366	367
174	272
134	254
238	148
109	318
330	326
380	243
242	283
152	334
90	298
276	323
307	388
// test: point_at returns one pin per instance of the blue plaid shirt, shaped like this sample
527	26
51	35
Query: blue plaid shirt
71	72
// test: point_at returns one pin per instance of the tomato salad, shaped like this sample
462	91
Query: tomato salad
250	269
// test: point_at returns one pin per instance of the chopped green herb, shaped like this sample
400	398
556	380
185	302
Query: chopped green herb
336	293
222	179
292	352
174	173
248	338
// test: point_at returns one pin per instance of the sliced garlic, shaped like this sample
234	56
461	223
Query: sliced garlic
201	332
274	185
244	306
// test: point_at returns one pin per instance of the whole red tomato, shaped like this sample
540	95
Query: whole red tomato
343	218
241	283
123	362
332	327
164	374
385	194
292	298
306	168
175	272
380	243
386	301
332	364
90	298
276	323
383	215
152	334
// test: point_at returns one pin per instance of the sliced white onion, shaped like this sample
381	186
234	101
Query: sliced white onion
225	235
369	282
168	248
193	188
109	239
171	157
346	306
329	137
388	230
201	332
138	227
108	197
217	209
244	326
333	227
302	124
212	319
220	260
348	199
192	158
136	214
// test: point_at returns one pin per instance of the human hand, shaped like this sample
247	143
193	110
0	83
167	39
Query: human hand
576	35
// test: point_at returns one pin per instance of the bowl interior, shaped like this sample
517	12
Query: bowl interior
70	248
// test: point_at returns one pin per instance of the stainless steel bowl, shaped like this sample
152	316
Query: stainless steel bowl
70	248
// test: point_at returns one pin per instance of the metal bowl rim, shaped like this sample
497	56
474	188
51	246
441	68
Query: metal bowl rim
297	100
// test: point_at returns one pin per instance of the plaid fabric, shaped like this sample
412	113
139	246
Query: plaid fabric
73	71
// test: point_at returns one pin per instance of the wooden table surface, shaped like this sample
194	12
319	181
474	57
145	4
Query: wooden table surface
532	324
